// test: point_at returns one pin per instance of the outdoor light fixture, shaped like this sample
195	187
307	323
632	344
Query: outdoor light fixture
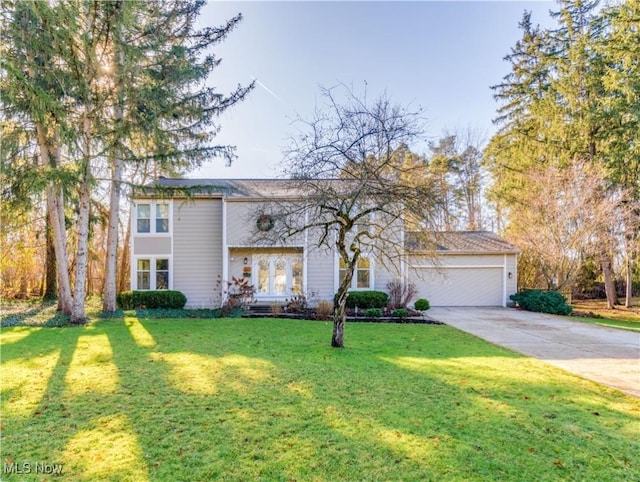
246	261
510	274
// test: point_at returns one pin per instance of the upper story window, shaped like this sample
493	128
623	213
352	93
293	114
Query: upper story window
362	275
162	218
144	218
158	212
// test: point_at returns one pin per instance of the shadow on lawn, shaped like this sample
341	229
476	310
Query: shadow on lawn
246	400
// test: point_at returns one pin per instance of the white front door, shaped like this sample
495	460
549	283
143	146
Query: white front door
278	275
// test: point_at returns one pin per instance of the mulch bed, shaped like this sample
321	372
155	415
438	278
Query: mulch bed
421	320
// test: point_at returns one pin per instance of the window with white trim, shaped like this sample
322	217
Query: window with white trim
143	216
361	276
162	218
152	274
278	274
162	274
144	274
159	213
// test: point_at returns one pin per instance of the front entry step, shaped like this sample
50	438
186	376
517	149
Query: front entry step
263	309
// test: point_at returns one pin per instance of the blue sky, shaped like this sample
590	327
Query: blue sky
440	56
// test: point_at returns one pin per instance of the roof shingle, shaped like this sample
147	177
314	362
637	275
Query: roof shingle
460	242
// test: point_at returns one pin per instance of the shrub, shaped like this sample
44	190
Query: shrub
297	304
400	293
542	301
166	299
324	310
237	294
373	313
367	299
400	313
422	305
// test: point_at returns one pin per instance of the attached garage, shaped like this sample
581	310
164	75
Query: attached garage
472	268
461	286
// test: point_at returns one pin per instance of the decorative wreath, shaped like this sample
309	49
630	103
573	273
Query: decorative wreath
265	222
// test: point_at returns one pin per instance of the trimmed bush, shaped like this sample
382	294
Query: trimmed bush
165	299
373	313
367	299
422	305
400	313
542	301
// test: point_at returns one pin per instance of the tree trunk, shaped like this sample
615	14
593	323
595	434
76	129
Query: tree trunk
78	315
340	303
609	282
50	157
628	299
55	203
109	301
339	319
124	261
337	340
23	291
111	262
55	207
51	273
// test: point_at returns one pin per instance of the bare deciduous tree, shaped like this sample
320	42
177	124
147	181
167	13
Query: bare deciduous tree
354	193
456	169
561	219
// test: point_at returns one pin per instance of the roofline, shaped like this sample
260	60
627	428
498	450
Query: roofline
440	252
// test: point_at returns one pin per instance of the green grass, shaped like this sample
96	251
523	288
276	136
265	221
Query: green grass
620	317
610	323
252	399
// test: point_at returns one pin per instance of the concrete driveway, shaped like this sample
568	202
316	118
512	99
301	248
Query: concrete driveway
604	355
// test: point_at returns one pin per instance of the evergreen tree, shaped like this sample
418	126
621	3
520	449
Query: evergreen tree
89	85
163	110
556	113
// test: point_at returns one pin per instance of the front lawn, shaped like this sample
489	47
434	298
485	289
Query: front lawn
252	399
596	312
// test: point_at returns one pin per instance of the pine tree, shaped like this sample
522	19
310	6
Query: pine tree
555	112
163	110
92	84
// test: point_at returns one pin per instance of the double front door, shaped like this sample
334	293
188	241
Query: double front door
278	275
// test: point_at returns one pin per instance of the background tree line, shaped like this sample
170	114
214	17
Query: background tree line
97	96
565	162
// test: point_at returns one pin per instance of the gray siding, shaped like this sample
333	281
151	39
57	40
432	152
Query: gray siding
236	262
321	267
512	267
241	224
151	245
197	244
382	276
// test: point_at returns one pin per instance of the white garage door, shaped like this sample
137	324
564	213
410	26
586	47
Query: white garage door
480	286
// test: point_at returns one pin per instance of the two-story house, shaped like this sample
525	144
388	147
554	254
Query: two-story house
192	243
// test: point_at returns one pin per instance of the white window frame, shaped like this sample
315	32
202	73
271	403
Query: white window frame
153	209
152	272
271	258
354	280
